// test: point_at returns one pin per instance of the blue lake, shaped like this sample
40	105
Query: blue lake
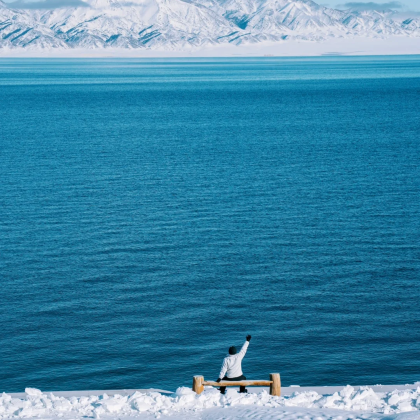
154	212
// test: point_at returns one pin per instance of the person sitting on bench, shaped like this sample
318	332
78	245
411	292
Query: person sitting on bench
232	367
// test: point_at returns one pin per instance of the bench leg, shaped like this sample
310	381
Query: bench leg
198	386
275	387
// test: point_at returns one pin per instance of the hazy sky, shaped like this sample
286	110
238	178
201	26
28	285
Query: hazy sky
402	6
398	5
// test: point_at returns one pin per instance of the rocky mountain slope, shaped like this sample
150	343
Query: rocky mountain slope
180	24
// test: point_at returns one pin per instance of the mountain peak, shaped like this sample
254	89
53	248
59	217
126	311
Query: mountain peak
176	24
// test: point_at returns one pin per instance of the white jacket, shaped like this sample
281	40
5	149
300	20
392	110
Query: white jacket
232	366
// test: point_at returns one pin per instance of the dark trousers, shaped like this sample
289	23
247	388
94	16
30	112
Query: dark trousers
239	378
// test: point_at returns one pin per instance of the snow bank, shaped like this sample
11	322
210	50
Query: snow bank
184	400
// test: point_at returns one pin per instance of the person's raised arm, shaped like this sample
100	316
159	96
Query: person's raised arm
245	347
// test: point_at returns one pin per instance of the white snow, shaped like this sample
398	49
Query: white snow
348	403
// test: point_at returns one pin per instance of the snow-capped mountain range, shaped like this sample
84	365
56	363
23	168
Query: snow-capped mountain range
179	24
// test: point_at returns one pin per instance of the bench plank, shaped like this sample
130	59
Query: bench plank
238	383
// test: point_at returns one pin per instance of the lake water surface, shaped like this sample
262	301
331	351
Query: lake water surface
154	212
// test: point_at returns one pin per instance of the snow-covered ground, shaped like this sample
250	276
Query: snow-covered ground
348	402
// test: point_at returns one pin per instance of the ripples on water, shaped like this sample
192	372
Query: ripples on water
154	212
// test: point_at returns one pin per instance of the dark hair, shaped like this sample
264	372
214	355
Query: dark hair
232	350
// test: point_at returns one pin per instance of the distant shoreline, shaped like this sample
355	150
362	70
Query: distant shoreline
396	45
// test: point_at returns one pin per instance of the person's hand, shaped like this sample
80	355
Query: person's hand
248	338
218	380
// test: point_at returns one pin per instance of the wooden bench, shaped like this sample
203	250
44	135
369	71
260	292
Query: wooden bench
274	383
